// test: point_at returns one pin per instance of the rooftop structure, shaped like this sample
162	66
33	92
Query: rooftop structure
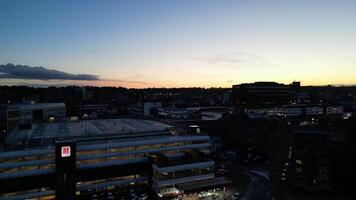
43	134
167	174
22	115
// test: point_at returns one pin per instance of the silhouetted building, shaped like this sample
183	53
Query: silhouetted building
264	93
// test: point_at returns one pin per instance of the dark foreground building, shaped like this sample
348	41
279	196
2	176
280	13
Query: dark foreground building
97	154
312	159
324	161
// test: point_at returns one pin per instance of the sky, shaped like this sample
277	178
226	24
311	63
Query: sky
177	43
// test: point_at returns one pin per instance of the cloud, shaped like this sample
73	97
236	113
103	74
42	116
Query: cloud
11	74
234	60
11	71
125	81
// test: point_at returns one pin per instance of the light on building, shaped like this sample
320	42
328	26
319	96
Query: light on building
65	151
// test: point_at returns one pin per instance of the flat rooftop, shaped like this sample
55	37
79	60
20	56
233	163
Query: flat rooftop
100	127
180	161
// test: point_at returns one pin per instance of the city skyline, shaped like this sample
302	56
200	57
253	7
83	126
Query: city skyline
144	44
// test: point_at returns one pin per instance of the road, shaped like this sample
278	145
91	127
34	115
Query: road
251	187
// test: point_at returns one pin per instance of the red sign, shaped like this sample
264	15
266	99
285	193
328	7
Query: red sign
65	151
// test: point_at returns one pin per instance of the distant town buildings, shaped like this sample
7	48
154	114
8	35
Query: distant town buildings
170	139
295	111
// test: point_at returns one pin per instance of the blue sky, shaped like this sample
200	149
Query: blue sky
182	43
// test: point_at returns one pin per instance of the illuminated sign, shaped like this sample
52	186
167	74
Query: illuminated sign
65	151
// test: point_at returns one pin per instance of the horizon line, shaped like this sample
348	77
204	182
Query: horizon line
163	87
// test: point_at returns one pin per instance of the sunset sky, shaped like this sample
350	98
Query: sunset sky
178	43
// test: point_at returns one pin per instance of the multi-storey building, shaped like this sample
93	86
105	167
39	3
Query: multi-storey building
109	153
15	115
312	159
168	172
264	93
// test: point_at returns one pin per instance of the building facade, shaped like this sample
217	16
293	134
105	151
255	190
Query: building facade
180	169
13	116
312	160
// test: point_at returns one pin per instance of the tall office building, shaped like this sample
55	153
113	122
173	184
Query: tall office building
312	159
264	93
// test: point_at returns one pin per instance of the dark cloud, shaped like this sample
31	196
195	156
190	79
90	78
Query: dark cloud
12	71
